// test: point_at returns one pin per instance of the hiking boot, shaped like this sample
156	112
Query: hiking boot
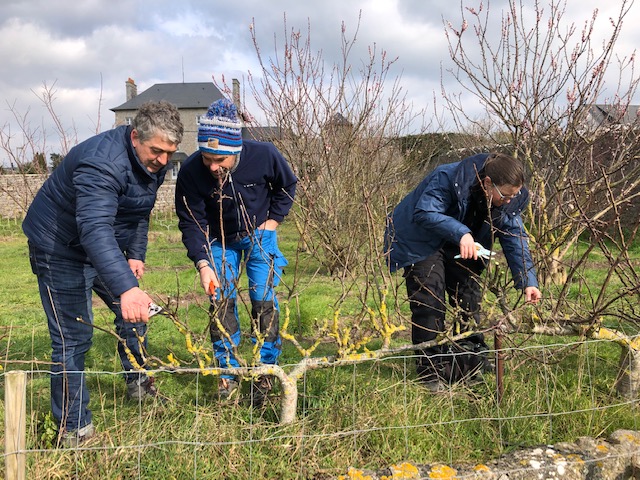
226	388
260	389
143	389
429	378
434	385
489	366
77	437
475	379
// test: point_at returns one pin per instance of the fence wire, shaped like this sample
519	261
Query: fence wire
367	415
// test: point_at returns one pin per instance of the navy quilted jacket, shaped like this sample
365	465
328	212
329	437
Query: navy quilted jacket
95	208
433	213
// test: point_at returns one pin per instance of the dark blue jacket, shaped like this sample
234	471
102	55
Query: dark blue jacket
261	188
95	207
433	213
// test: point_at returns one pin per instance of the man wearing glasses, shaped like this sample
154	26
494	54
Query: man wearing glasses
441	234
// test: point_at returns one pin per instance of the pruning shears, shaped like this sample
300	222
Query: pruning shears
156	309
482	252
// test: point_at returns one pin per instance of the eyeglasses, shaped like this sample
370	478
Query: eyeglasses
507	197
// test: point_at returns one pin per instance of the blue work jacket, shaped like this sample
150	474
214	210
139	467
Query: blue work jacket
433	213
95	208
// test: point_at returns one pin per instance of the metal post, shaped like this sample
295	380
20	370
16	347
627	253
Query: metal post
497	342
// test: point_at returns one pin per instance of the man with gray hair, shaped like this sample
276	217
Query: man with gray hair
87	231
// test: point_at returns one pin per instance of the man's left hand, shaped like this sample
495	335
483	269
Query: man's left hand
532	295
269	225
137	267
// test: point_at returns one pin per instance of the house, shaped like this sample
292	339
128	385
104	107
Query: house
262	134
603	115
192	100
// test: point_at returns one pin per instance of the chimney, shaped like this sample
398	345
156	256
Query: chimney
131	88
236	93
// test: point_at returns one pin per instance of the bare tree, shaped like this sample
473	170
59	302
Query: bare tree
339	127
538	79
542	84
25	148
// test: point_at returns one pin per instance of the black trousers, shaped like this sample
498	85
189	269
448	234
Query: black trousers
430	281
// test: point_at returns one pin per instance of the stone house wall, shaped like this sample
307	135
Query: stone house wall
17	192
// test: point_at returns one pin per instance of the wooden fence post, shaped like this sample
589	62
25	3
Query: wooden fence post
15	424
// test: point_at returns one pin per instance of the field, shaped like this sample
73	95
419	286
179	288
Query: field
369	415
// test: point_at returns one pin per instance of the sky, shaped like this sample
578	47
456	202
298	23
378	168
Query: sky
84	51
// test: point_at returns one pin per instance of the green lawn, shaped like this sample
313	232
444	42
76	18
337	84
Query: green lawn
368	415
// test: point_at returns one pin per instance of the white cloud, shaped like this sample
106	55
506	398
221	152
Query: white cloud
89	48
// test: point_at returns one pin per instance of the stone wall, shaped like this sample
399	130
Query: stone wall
17	192
616	458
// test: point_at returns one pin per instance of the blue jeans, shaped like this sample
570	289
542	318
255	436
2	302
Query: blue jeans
264	264
65	290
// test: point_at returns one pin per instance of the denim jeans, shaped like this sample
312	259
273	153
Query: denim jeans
66	290
264	264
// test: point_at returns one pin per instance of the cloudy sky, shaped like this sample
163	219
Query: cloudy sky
86	49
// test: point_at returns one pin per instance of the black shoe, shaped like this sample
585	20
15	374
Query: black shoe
143	389
474	380
260	389
226	388
429	379
78	437
435	385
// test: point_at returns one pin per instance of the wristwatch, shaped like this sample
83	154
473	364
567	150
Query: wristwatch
201	264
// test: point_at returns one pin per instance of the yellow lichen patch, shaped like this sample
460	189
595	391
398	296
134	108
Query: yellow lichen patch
602	448
404	470
355	474
443	472
355	357
481	468
573	458
173	361
628	437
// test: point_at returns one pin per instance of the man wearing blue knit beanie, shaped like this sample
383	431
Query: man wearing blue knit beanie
231	195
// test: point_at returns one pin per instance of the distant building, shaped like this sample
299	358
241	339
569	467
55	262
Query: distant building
262	134
192	100
602	115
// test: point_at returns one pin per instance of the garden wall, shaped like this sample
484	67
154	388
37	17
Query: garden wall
616	458
18	192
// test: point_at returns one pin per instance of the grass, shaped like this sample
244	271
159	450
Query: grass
368	415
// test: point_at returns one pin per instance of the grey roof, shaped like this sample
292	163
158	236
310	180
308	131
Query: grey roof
610	114
339	120
182	95
263	134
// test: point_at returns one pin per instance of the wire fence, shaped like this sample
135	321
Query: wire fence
370	414
364	415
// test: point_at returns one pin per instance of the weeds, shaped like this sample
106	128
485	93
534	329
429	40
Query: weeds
370	415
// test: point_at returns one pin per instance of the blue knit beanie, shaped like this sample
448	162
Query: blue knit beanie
220	130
